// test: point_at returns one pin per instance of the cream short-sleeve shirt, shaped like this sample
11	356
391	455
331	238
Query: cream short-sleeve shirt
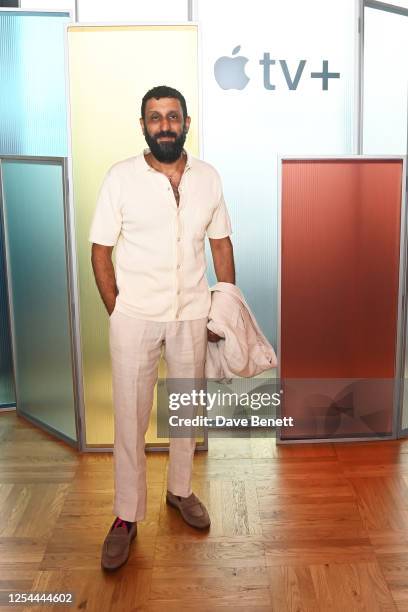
160	262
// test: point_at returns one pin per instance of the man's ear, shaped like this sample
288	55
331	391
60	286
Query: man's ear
187	123
142	125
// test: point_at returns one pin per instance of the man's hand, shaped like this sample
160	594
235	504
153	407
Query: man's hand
212	337
223	258
105	275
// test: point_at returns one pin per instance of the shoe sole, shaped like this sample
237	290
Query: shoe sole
174	505
113	569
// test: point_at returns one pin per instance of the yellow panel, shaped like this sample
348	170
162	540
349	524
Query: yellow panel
110	69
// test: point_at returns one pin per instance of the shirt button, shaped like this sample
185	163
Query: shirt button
178	239
178	292
178	266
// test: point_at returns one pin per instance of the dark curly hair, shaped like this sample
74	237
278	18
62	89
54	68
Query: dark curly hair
163	91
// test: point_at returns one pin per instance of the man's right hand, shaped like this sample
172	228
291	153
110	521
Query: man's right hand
105	275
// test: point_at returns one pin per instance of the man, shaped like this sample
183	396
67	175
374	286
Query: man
156	209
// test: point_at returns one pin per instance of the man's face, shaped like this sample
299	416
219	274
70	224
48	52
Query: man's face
164	128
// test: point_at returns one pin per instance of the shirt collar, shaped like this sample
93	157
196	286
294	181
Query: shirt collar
148	167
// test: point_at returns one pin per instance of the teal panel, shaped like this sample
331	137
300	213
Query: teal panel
33	207
32	117
32	84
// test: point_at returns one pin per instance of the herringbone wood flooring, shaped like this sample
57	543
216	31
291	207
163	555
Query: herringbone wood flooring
304	527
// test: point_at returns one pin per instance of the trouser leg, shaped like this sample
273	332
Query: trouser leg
135	352
185	352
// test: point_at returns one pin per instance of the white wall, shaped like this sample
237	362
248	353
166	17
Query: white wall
245	130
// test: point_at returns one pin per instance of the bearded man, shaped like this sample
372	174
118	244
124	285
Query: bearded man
156	209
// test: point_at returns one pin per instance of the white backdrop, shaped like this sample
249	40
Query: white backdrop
244	130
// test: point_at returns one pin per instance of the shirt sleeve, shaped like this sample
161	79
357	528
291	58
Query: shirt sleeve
107	219
220	224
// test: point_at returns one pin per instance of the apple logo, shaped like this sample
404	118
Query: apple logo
229	72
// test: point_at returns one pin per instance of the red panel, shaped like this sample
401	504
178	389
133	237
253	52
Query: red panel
339	288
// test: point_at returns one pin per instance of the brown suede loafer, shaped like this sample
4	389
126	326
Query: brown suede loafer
192	510
116	547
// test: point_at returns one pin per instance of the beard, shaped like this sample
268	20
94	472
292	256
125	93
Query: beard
166	152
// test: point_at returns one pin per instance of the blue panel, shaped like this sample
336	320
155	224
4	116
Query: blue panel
32	84
33	207
32	116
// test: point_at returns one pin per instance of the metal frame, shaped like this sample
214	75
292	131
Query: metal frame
3	270
401	316
401	309
62	162
401	336
73	305
190	10
359	74
75	284
384	6
74	262
9	296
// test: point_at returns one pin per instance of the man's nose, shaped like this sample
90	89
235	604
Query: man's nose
165	125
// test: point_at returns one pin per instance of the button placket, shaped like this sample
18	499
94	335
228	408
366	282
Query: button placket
179	258
181	186
179	248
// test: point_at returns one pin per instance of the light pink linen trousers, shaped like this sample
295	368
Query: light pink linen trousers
135	347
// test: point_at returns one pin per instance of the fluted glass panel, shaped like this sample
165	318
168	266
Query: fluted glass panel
385	83
110	69
340	268
32	117
35	237
32	84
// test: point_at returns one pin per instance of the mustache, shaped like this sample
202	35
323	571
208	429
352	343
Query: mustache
165	134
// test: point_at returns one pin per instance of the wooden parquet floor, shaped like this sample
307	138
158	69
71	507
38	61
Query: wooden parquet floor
306	527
